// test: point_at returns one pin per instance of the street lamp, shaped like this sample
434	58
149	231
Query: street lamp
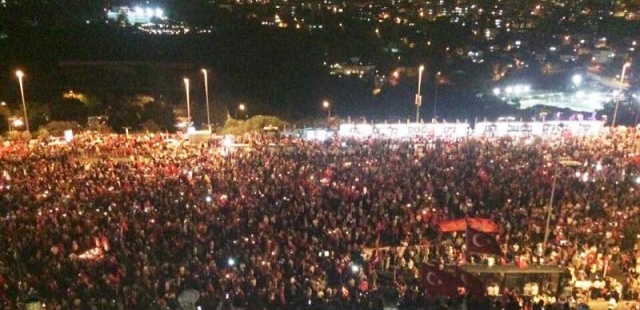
576	79
186	89
20	75
562	163
435	95
418	96
615	111
327	106
241	108
206	94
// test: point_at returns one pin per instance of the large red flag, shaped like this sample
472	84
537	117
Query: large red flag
438	282
481	224
452	225
480	242
471	283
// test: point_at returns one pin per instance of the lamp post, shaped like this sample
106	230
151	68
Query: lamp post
435	95
562	163
418	96
327	106
206	94
20	74
186	89
241	108
615	111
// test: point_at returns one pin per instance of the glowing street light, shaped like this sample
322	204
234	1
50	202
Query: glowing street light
241	108
327	106
186	89
576	79
418	96
20	75
615	111
206	94
17	123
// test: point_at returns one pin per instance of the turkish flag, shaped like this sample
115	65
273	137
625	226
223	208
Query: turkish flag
481	224
452	225
438	282
471	283
480	242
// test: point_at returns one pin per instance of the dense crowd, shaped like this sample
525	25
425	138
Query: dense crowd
115	222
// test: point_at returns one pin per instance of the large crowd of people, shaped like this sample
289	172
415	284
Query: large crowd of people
131	222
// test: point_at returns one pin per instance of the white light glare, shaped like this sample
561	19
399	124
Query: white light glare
518	89
227	141
576	79
496	91
355	268
231	262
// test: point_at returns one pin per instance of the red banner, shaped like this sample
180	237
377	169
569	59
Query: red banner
480	224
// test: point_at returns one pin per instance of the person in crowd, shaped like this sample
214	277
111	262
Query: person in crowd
115	222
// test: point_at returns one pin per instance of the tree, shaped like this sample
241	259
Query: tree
57	128
150	126
4	118
127	115
70	109
38	114
628	111
161	114
4	124
254	124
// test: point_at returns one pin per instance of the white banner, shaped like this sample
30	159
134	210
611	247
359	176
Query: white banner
525	129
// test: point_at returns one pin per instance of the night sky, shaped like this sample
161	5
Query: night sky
274	71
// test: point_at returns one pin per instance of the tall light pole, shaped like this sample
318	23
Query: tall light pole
418	96
615	111
241	108
20	74
435	96
327	106
206	94
186	89
562	164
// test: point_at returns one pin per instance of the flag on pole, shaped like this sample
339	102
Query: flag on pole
481	242
438	282
471	283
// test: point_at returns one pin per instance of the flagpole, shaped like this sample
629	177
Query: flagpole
466	231
553	190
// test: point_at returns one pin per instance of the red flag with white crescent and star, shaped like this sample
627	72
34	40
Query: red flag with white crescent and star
471	283
438	282
480	242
